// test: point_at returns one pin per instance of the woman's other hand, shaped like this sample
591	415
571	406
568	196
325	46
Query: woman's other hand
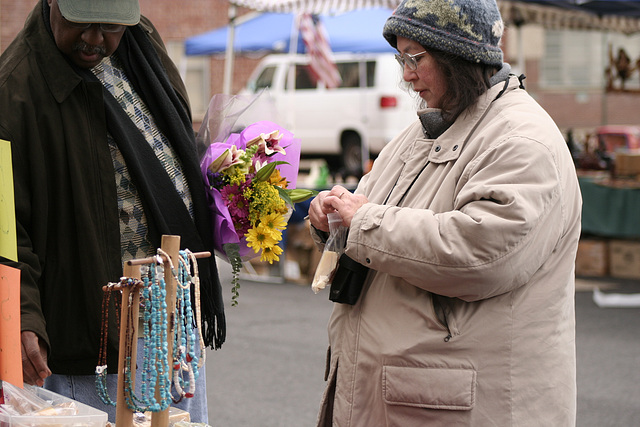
338	199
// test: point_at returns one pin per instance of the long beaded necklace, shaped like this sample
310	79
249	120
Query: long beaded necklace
194	278
154	371
101	368
184	358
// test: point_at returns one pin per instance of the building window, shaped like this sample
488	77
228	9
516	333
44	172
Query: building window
577	59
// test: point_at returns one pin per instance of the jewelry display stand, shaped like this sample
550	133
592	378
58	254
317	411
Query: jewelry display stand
170	246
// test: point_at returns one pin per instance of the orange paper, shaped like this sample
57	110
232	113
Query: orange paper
10	347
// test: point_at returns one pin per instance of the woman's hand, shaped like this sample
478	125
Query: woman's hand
338	199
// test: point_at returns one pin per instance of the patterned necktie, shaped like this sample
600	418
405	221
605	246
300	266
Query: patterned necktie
134	238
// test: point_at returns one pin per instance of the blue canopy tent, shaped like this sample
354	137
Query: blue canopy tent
354	31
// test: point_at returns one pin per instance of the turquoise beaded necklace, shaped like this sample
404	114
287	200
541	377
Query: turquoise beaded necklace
155	349
155	372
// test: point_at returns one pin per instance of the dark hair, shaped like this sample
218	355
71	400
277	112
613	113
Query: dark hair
466	81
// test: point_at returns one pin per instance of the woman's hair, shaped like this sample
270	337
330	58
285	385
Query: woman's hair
466	81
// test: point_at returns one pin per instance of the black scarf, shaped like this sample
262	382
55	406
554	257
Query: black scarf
165	211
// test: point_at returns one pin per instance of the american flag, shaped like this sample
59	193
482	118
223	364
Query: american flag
317	43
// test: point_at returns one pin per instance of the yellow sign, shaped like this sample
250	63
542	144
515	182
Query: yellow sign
8	242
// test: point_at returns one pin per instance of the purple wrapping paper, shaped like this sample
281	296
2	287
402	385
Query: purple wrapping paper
223	228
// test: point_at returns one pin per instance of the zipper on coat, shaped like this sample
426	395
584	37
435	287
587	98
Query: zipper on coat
441	315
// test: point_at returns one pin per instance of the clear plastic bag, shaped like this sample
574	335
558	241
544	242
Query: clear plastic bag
333	249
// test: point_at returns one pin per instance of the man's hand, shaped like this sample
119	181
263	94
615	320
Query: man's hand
34	359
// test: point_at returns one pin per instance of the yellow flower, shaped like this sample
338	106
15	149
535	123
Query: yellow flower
274	221
264	199
270	254
277	179
260	237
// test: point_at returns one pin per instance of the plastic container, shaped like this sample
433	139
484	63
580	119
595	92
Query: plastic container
85	416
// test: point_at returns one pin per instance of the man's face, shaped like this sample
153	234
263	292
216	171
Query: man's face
85	47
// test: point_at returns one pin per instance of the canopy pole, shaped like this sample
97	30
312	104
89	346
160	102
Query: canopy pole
229	53
291	72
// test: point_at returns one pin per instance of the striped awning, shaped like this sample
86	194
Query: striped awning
319	7
523	13
513	12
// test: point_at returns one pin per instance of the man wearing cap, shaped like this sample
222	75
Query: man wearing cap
104	163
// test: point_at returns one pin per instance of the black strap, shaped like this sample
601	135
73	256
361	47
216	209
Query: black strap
521	78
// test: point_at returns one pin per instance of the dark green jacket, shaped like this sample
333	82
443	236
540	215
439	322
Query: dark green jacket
65	194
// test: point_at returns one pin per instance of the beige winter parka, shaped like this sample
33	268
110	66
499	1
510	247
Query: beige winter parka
468	316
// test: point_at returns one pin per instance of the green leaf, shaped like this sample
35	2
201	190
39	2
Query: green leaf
284	195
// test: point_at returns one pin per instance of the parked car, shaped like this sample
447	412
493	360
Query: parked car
346	125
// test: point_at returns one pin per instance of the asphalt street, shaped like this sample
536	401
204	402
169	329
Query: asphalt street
270	371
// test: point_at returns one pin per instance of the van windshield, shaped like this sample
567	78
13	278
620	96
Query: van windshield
265	79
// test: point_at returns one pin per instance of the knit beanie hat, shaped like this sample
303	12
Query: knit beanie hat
470	29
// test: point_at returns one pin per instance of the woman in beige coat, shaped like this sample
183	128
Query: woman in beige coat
468	226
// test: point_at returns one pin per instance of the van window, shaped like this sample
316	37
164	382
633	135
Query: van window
304	78
350	74
371	72
265	79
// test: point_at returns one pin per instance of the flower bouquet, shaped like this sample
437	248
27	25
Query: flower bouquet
248	180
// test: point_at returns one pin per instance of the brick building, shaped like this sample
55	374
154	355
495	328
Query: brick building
564	68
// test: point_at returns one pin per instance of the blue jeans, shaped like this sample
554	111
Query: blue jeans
82	388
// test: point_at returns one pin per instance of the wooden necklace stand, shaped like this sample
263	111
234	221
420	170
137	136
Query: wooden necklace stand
171	246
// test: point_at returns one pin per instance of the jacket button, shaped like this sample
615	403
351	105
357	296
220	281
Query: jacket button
455	147
438	148
368	261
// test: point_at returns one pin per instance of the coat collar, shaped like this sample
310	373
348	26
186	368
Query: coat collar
57	72
450	144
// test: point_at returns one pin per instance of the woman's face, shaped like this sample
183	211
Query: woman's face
427	79
84	47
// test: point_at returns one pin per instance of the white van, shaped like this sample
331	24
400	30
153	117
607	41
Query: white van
341	124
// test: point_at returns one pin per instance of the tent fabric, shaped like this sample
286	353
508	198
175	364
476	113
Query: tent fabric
615	15
266	32
612	15
318	7
629	8
354	31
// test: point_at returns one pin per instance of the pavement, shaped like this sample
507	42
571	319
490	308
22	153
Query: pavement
270	371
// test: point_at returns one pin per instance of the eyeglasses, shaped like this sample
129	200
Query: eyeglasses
106	28
409	60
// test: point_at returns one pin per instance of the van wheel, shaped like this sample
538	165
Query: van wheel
352	154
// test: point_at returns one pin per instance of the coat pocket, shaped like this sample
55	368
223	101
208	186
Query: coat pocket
429	387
